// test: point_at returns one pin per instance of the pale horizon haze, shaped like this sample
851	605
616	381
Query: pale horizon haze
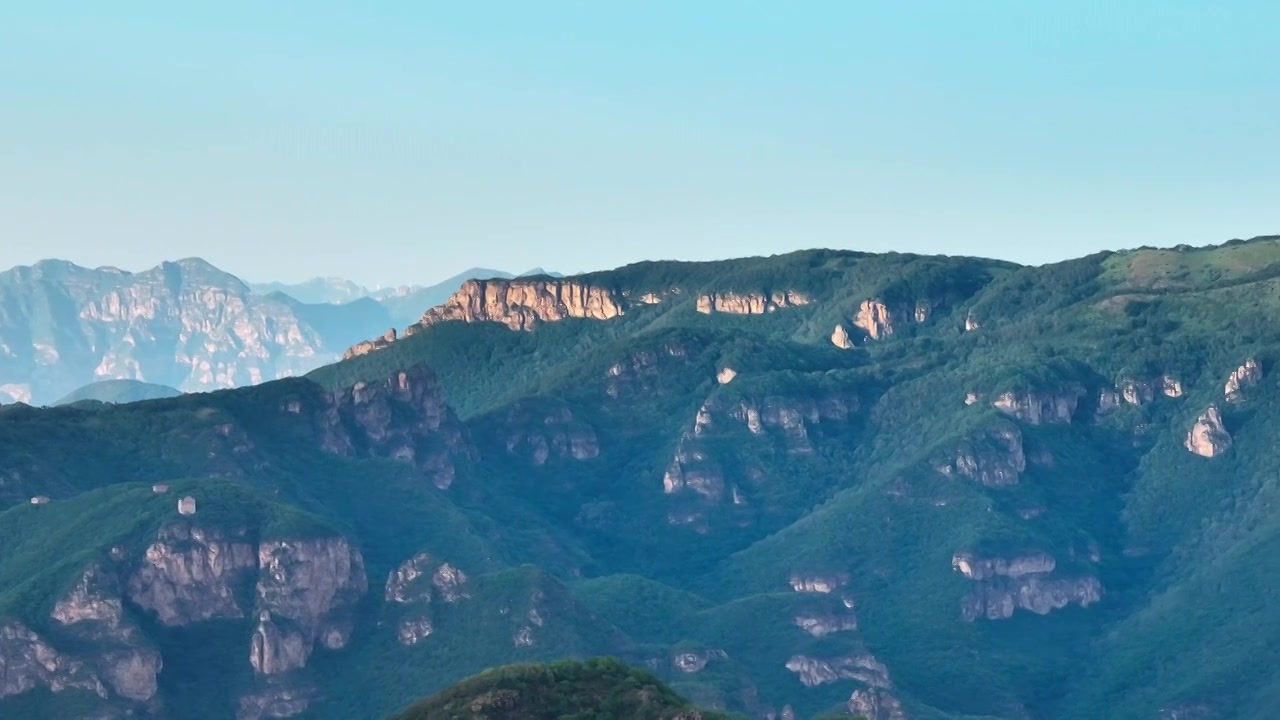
398	143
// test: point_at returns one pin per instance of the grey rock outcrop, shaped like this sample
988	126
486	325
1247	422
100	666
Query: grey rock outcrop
1246	376
1041	408
404	417
94	614
306	592
875	704
190	574
1208	437
539	432
1023	582
28	661
824	625
864	668
994	458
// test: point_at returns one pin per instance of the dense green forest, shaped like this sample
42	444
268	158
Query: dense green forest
994	509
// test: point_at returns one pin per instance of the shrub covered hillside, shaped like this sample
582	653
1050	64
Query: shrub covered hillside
596	689
822	483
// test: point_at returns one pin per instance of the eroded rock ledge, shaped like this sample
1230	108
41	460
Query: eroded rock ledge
1024	582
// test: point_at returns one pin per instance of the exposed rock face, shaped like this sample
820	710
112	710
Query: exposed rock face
994	458
824	625
28	662
759	303
999	598
418	581
278	701
696	662
539	432
1023	582
976	568
790	421
522	304
185	324
1245	376
1041	408
306	592
94	614
864	668
791	418
404	417
818	583
876	319
190	574
876	704
647	370
840	338
368	346
276	647
1138	391
726	375
1208	437
971	323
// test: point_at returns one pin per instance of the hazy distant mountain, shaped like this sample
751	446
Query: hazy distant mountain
119	391
185	324
316	290
405	304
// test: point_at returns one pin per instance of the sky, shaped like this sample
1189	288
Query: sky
402	142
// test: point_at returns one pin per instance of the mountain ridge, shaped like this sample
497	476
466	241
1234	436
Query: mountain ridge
1000	493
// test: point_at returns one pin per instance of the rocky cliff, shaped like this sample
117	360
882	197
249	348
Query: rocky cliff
1208	437
522	304
184	324
1025	582
404	417
750	303
1041	407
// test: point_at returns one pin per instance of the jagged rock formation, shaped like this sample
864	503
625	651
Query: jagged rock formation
1137	391
994	458
759	303
28	661
1245	376
93	612
368	346
274	702
823	625
1208	437
864	668
417	582
976	568
306	592
876	319
191	574
840	338
875	704
522	304
823	584
646	371
184	324
404	417
1041	408
538	432
792	421
696	662
1024	582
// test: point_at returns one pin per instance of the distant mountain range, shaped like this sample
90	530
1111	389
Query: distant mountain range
805	486
185	324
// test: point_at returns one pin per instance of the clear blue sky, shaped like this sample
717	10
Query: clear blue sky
403	142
